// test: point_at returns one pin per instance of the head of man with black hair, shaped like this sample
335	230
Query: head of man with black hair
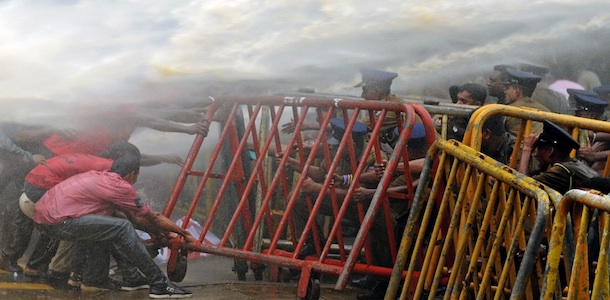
494	82
120	149
496	142
470	94
128	167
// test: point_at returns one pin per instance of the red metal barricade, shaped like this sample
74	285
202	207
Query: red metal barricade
253	200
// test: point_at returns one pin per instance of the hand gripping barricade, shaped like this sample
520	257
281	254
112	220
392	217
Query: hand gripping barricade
468	229
252	200
587	277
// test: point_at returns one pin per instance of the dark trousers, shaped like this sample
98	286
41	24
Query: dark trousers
97	235
16	228
46	247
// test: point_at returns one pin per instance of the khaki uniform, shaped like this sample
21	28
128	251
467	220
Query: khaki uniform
505	149
566	175
513	124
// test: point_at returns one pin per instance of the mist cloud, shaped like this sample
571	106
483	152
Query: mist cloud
129	51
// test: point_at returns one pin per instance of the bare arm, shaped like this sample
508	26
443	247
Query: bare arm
155	223
152	160
526	153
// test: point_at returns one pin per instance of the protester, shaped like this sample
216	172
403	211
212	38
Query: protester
17	145
80	209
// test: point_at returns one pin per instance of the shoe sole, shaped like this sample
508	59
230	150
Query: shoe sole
33	275
94	289
173	296
135	288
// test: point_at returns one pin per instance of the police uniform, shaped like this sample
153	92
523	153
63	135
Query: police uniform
604	93
300	210
515	77
359	132
418	135
554	101
586	101
505	149
372	77
566	175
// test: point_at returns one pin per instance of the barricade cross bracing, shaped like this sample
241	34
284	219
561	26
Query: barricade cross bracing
259	187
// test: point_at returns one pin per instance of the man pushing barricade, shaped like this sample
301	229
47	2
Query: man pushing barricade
80	209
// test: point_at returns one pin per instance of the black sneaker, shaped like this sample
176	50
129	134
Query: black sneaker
10	265
168	290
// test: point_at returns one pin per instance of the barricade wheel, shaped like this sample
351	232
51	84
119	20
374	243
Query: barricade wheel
313	290
179	272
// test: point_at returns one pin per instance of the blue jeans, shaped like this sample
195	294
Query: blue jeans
98	236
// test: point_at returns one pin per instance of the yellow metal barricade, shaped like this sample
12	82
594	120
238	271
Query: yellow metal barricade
468	228
581	280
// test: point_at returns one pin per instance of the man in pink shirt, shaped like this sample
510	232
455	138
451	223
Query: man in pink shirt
80	209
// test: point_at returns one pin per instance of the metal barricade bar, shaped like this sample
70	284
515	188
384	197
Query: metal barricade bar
578	279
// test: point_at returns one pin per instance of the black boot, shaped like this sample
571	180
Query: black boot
10	265
377	292
363	282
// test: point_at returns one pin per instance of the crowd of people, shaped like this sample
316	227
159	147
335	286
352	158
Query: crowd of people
77	188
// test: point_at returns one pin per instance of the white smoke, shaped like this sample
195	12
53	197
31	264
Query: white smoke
130	51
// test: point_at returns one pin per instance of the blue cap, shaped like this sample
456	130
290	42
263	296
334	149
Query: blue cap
556	136
338	129
418	132
602	90
535	69
587	100
376	77
512	76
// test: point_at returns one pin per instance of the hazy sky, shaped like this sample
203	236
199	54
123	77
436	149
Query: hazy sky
94	51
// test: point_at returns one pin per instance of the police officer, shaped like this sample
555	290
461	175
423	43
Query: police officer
518	89
495	80
552	148
592	149
553	100
376	85
603	91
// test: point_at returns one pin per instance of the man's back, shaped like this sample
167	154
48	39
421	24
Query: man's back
62	167
93	192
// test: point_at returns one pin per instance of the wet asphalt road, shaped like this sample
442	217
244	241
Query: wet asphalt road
208	278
